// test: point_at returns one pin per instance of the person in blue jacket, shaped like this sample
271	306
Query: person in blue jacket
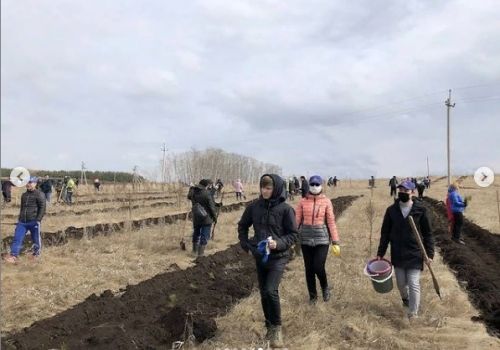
457	205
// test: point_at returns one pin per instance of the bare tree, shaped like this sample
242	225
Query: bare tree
215	163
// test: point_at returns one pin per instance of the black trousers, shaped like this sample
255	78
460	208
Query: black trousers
458	223
420	192
314	262
393	191
269	276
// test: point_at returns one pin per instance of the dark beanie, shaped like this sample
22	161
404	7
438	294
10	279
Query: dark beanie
205	182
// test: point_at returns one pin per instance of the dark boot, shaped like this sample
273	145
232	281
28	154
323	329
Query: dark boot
326	294
201	250
268	333
313	299
195	248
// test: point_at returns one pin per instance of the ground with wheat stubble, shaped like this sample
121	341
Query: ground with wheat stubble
70	273
357	317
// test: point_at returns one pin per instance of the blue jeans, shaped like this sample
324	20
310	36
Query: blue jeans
69	197
201	234
20	233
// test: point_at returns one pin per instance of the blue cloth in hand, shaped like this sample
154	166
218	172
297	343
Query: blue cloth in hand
263	249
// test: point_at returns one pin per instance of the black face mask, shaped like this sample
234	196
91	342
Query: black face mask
403	197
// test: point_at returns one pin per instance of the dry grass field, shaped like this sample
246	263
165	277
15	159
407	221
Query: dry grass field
355	318
482	208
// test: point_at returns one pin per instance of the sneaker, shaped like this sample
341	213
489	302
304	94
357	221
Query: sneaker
10	259
412	318
459	241
34	258
326	294
313	300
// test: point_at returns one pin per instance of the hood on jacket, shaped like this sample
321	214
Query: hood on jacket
279	194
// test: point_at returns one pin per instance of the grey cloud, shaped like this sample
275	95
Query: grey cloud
307	85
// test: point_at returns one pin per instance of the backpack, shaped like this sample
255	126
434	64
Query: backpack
199	212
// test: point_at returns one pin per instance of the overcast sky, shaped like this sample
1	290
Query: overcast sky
346	88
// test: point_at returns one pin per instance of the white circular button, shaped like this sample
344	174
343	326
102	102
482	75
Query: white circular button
19	176
484	176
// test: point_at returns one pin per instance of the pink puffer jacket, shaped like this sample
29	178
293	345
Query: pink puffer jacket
317	210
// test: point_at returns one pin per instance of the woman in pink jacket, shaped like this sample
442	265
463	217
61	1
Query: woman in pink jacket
238	188
314	215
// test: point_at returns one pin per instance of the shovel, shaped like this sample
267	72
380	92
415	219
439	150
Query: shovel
424	253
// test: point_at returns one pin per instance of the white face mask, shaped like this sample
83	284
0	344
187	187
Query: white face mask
315	189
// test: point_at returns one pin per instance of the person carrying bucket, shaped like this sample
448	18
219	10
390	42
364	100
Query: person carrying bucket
314	214
405	252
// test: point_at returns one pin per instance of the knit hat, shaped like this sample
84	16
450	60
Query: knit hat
205	182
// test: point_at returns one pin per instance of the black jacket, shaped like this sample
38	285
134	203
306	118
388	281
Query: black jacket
393	182
199	194
32	206
305	188
46	186
269	217
396	230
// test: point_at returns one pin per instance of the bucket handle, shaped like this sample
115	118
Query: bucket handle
365	271
385	279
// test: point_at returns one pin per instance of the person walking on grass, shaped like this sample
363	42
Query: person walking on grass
275	230
70	187
204	215
456	206
317	230
335	181
238	189
7	190
291	188
393	184
304	186
30	219
405	251
46	188
420	188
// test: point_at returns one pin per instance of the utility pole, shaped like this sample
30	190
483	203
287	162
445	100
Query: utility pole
428	173
164	150
448	106
83	175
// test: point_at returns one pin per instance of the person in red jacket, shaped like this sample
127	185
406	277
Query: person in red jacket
315	217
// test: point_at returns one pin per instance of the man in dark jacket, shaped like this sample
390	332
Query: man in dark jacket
275	230
7	190
30	217
304	186
405	252
46	188
393	184
204	215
